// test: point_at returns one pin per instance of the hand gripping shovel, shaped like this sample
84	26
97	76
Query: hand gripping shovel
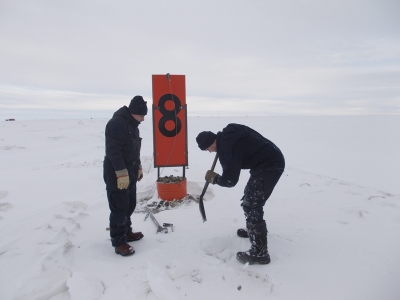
201	204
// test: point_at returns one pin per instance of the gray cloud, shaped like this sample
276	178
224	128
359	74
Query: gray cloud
303	56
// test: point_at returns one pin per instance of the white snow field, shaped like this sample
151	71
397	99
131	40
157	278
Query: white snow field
333	219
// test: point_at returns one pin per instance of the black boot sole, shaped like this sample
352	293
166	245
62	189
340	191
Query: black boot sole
252	260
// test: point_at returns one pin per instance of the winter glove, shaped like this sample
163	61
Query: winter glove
122	179
211	177
140	173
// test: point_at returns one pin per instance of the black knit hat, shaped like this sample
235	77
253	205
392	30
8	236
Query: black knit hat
205	139
138	106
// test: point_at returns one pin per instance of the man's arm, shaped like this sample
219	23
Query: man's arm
114	143
230	176
231	169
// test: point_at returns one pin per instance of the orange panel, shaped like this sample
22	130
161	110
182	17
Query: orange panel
169	120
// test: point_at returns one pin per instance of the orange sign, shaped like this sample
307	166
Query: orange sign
169	121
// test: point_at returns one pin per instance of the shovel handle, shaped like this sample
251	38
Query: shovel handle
201	204
214	162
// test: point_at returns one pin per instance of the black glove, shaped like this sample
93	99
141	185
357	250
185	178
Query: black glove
211	177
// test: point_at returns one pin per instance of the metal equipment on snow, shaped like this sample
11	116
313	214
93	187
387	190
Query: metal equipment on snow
163	229
169	225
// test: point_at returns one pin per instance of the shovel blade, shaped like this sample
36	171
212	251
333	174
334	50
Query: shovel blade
201	203
202	211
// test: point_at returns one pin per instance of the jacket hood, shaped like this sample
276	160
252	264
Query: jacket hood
124	113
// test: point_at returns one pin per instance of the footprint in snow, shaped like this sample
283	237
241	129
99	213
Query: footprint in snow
357	212
4	206
372	197
184	268
75	206
221	248
56	138
345	183
12	147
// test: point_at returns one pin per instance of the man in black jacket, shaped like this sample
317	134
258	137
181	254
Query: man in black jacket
122	169
240	147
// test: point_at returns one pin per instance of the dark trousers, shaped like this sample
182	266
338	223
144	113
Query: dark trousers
122	205
257	191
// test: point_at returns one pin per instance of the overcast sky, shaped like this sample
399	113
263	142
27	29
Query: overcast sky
88	58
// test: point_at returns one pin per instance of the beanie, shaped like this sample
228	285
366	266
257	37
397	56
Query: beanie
205	139
138	106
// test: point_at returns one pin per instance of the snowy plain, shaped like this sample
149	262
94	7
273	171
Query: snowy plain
333	219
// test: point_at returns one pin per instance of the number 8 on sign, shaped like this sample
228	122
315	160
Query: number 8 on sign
169	115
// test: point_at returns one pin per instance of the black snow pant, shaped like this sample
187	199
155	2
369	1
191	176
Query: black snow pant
122	204
257	191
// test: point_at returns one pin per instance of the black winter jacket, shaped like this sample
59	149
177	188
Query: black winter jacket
123	145
240	147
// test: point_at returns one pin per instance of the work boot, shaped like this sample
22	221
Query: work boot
258	253
242	232
133	236
124	250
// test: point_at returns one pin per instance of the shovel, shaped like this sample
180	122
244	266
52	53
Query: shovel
201	204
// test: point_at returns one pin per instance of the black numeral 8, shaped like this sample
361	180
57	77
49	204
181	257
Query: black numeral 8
169	115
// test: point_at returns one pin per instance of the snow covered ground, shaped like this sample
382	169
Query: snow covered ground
333	219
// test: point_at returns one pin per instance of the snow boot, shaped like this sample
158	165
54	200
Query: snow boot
133	236
124	250
258	253
242	232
